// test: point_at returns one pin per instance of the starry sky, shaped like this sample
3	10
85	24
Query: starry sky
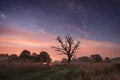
34	24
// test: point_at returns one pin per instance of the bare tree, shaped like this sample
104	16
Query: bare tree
68	46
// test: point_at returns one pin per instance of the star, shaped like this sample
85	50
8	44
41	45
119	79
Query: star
85	26
2	15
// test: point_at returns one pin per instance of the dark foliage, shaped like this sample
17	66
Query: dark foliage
64	60
107	59
25	55
44	57
96	58
84	59
13	57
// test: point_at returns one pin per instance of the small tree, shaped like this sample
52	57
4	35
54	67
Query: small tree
13	57
67	46
83	59
107	59
35	57
34	54
25	54
44	57
74	60
96	58
64	60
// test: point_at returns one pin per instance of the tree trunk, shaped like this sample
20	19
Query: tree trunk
69	60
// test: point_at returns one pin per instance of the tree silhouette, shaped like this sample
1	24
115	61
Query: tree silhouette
13	57
74	60
25	55
96	58
67	46
35	57
44	57
83	59
107	59
34	54
64	60
4	55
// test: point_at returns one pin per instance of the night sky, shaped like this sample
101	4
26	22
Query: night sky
94	20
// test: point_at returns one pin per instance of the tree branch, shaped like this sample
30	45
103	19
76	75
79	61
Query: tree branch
75	48
57	49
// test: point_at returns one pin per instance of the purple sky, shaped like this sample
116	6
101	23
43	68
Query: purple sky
36	23
89	19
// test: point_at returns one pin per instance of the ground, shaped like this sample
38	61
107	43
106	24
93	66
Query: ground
78	71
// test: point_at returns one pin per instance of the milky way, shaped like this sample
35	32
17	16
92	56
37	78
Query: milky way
97	20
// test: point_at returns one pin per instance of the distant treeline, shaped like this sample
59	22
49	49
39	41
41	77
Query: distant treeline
25	55
93	58
44	57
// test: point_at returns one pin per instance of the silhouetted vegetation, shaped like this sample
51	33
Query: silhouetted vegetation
64	60
82	71
4	55
83	59
25	55
96	58
27	66
107	59
35	57
67	46
44	57
81	68
13	57
117	59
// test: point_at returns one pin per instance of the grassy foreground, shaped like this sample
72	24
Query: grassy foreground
81	71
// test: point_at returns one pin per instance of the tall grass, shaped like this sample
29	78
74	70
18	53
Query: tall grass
81	71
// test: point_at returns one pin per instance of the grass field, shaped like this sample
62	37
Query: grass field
81	71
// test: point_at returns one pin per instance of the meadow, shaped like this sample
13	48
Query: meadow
73	71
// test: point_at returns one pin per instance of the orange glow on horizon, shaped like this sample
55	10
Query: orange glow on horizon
14	41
